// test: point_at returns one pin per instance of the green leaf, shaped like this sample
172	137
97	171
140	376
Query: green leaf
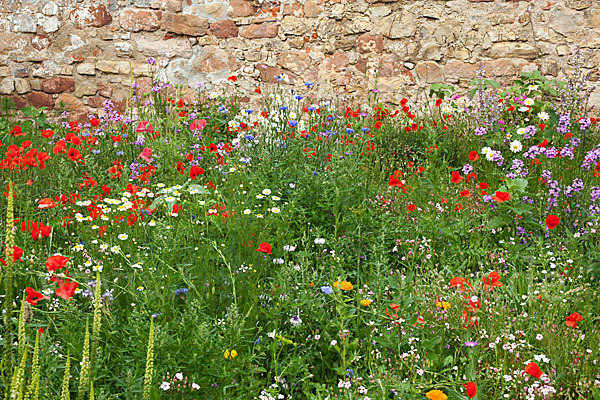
496	222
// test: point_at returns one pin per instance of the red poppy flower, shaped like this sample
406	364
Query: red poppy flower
483	185
465	193
456	178
533	370
552	221
47	133
438	102
60	147
257	90
473	156
412	207
395	182
56	262
17	131
265	247
46	203
33	297
542	126
94	121
232	78
471	389
459	282
493	279
543	144
67	290
73	154
17	253
195	171
501	197
573	319
176	209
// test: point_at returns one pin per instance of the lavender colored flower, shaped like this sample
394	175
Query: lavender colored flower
480	131
467	169
471	343
326	289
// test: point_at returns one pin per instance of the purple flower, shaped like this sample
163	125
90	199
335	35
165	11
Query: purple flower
471	343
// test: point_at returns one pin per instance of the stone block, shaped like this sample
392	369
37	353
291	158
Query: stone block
58	84
258	31
136	20
184	24
224	29
93	15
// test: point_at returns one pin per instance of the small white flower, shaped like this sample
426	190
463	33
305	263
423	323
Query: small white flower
333	342
97	268
523	109
544	116
123	236
486	150
247	211
275	210
289	247
178	376
516	146
266	192
529	102
521	131
165	386
319	241
275	198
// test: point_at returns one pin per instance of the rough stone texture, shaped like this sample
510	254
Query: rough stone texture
58	84
95	16
40	99
258	31
81	52
190	25
224	29
135	20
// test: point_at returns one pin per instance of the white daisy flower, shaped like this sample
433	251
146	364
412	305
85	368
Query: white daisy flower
516	146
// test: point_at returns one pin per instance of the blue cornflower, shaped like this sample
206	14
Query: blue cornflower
327	289
249	137
293	123
309	84
298	97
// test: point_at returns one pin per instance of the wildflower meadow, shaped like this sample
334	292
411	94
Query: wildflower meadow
306	247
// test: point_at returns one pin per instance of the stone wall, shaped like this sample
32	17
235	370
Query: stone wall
80	53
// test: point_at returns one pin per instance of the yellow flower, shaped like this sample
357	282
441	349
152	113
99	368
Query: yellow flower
365	302
443	304
345	285
230	355
436	395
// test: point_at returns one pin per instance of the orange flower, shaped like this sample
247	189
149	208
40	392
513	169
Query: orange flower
573	319
345	285
436	395
365	302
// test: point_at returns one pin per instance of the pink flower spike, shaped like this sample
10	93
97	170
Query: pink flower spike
144	126
146	154
198	125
